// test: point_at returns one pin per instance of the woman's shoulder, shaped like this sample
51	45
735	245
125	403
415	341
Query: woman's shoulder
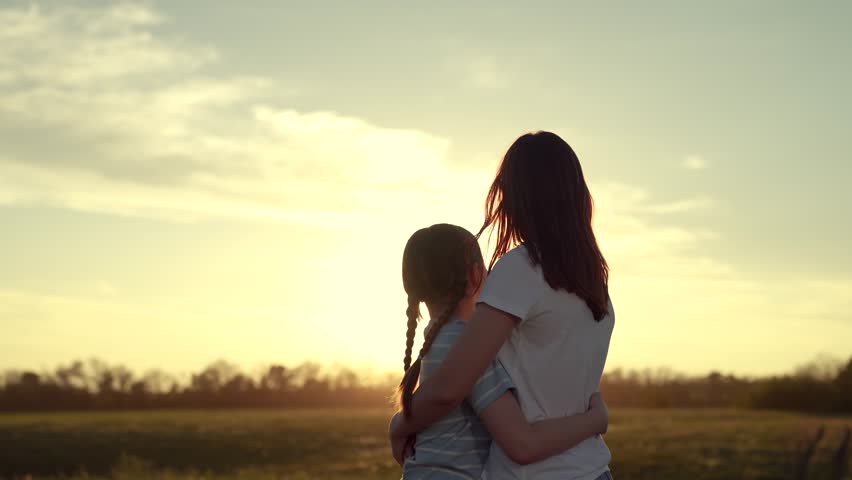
515	261
519	251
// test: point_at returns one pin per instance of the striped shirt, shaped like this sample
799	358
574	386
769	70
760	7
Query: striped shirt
456	446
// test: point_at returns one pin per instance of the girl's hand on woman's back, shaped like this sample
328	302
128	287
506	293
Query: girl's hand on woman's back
598	408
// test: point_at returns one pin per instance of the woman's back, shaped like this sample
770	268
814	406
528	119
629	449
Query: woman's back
555	356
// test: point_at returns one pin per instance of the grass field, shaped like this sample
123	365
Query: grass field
351	444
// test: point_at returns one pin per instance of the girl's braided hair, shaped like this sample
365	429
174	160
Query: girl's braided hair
435	268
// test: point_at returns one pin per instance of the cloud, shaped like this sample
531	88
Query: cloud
70	46
627	221
147	132
632	199
694	162
672	296
138	128
477	70
701	202
482	72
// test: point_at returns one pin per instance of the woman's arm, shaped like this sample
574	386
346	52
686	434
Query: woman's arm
471	354
526	443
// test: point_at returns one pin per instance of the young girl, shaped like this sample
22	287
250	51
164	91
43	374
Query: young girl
443	267
544	311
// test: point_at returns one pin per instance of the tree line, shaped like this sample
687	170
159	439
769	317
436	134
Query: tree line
824	386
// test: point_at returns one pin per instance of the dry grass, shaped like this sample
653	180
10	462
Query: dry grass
350	444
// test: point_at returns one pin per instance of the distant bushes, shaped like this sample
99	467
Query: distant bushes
95	385
822	386
807	391
664	389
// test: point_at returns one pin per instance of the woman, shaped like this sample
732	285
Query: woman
544	311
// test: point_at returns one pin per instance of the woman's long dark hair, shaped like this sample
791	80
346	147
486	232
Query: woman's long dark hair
435	268
540	199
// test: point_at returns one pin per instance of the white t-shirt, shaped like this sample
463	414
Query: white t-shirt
555	355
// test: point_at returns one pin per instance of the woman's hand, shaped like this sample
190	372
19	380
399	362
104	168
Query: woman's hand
402	444
599	411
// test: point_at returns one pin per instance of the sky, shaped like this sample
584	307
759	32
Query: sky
182	182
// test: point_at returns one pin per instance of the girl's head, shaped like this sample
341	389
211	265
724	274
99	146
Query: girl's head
540	199
442	266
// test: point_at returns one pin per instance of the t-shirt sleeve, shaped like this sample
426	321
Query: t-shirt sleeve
493	383
513	286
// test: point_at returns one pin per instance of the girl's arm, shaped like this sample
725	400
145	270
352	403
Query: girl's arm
526	443
468	358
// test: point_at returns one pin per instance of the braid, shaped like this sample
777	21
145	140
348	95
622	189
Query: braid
457	294
413	313
412	375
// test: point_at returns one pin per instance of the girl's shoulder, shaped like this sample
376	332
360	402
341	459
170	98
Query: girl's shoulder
444	340
453	328
449	331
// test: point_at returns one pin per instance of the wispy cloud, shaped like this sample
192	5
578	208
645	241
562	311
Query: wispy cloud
70	46
701	202
137	128
694	162
631	199
476	69
628	219
482	72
